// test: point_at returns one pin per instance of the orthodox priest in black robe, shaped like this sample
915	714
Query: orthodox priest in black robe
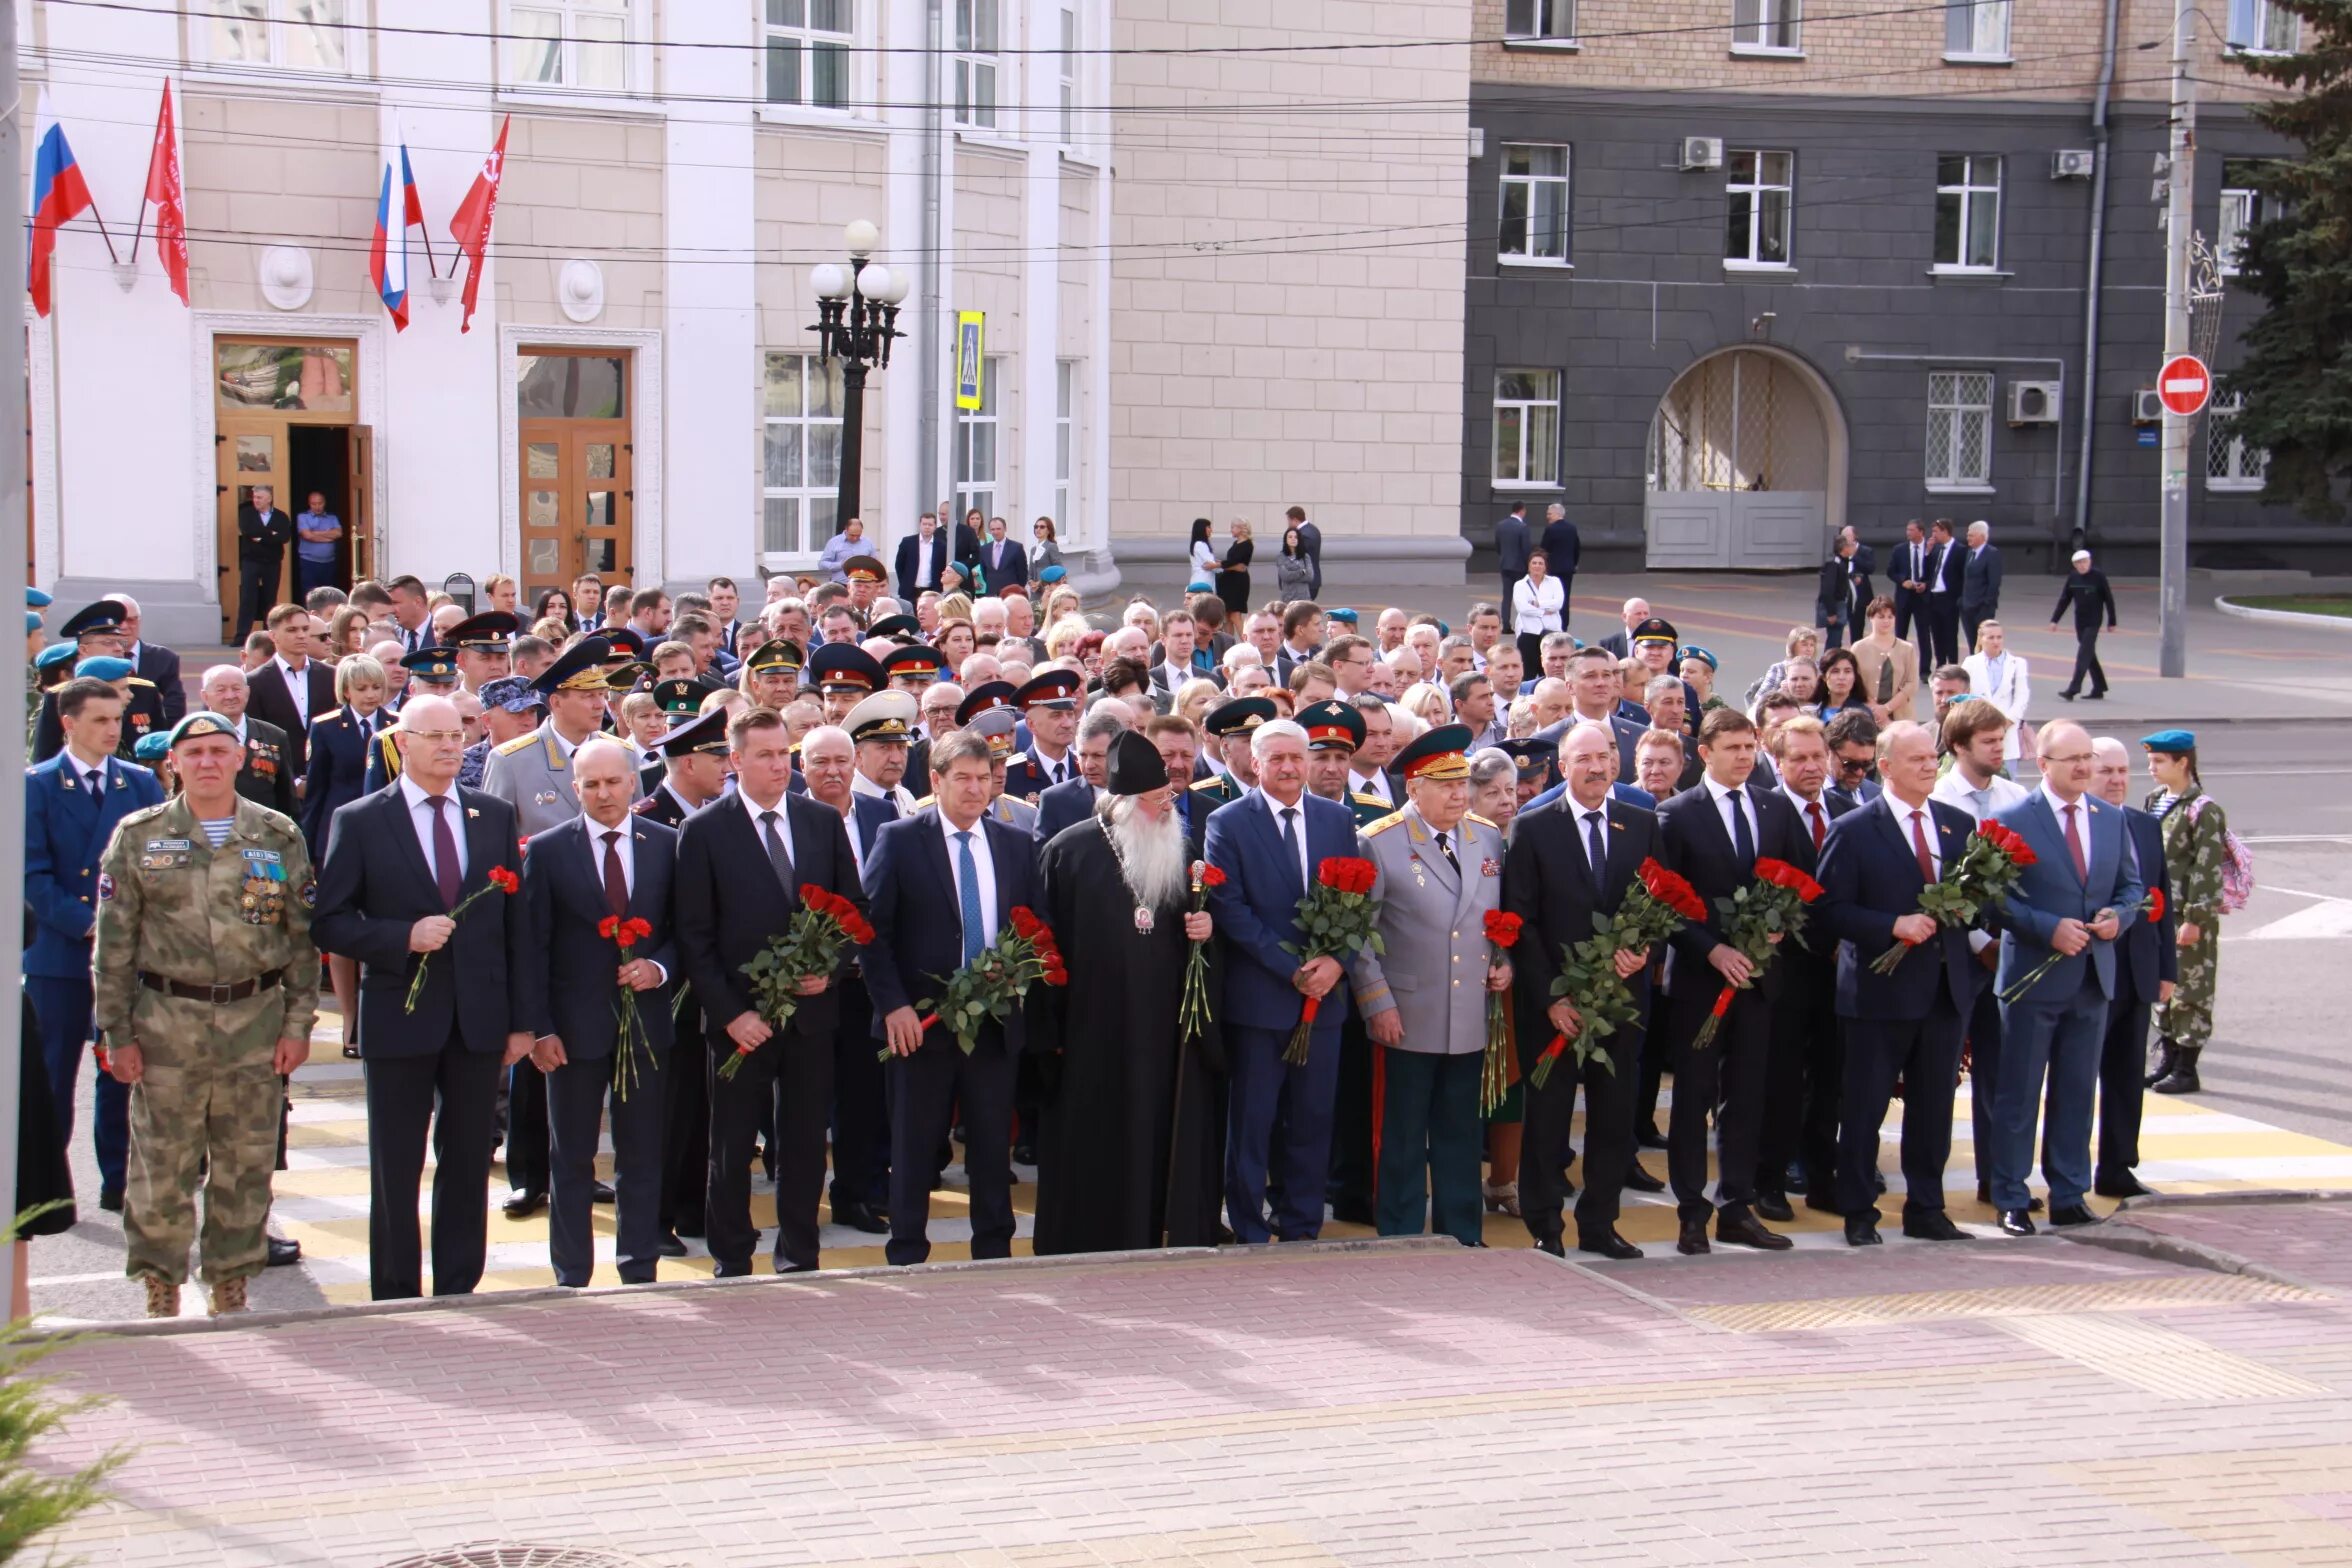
1130	1148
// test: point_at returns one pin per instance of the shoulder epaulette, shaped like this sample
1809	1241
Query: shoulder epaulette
1383	825
519	743
138	680
1473	816
1365	798
1208	783
145	812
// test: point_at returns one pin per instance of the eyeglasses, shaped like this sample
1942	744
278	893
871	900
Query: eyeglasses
435	737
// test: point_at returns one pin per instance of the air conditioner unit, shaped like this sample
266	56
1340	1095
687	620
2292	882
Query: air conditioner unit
2147	408
1702	152
2033	403
2073	163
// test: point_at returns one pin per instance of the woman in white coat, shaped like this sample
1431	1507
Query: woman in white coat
1999	677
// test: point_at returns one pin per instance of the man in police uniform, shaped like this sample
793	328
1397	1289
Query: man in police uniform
432	672
1049	702
481	643
844	675
1229	725
206	989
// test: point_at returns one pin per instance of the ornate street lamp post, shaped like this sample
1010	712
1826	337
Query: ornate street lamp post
857	307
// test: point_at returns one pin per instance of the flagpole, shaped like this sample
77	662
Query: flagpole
145	185
100	220
430	268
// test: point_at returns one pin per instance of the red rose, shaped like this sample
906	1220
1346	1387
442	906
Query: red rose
636	929
1025	923
1502	929
1210	876
854	926
609	928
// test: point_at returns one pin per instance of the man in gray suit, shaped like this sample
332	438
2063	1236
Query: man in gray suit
1423	995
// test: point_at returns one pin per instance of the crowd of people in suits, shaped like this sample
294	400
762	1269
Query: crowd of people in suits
976	747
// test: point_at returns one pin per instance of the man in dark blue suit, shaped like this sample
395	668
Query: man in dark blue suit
940	886
399	863
2081	894
2146	976
602	865
1072	801
922	557
728	912
1268	844
1907	1024
72	803
1003	563
1914	560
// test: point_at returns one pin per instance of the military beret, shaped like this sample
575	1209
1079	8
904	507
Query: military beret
2173	742
1052	575
1694	651
197	725
32	622
103	667
1345	617
1198	585
38	598
152	747
56	653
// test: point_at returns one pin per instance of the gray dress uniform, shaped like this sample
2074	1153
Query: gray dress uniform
533	773
1431	972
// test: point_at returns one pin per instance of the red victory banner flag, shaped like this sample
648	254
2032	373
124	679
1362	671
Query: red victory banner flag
470	224
165	190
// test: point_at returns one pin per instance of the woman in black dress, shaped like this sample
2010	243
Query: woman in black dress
1233	579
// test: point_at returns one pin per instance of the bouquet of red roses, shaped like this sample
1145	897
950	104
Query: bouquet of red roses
500	880
1995	858
1588	976
810	946
1771	906
1499	1070
1192	1015
630	1039
1336	920
998	976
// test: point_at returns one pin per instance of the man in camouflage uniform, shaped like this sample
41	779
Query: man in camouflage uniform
206	988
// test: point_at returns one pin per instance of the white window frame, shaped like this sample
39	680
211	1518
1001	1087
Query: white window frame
278	25
2240	210
1768	27
1961	396
972	67
1528	451
1970	193
1756	189
2232	466
1977	31
1069	386
571	17
811	43
1540	23
1533	185
2263	27
1067	61
808	491
973	488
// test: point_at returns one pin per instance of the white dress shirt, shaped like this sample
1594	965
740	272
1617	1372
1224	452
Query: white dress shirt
420	817
1373	783
1587	817
1998	795
759	829
1306	861
1724	807
297	687
898	794
1805	810
625	842
1927	827
1535	607
923	548
982	862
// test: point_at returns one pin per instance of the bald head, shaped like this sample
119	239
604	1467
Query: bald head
2066	759
2111	770
432	742
604	776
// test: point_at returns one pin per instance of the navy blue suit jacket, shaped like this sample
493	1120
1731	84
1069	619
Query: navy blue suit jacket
1013	568
1064	805
568	987
729	902
65	833
2049	891
374	884
2150	955
1256	909
160	667
1870	878
1693	840
337	776
1548	883
918	924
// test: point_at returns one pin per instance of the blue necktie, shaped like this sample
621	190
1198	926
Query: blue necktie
1743	844
968	897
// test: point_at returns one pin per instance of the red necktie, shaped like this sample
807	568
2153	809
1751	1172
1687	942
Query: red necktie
445	873
1919	846
616	884
1820	827
2074	846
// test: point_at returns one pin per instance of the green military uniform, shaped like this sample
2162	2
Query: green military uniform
2194	850
171	908
1368	808
1219	790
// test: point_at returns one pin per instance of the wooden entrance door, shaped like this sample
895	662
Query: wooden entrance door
576	502
250	450
261	388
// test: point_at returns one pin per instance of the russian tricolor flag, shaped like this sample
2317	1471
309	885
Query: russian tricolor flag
387	255
59	196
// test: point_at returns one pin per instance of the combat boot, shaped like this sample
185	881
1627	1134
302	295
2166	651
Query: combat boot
2183	1077
2167	1056
163	1297
228	1296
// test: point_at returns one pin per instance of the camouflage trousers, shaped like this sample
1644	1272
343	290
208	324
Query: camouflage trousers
208	1102
2188	1018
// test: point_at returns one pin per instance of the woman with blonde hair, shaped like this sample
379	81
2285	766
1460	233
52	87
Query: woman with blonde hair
1195	698
1427	703
1062	634
1061	603
954	607
1232	582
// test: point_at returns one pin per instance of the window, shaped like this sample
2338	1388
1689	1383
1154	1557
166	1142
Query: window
1976	30
1769	25
1527	427
975	63
975	447
800	469
2263	27
569	43
2231	462
808	43
299	35
2241	209
1069	63
1761	185
1065	445
1539	21
1968	211
1535	203
1959	429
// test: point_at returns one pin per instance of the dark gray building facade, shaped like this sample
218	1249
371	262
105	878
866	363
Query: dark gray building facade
1714	327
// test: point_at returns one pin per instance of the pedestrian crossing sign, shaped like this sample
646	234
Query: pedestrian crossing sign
968	359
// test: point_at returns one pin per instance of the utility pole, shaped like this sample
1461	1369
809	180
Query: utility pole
12	548
2179	228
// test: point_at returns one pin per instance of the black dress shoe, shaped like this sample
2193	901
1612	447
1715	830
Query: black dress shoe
1932	1225
110	1199
691	1225
603	1193
1745	1230
1024	1154
1649	1137
1355	1211
522	1203
859	1216
1693	1240
1984	1195
1610	1245
2073	1214
1638	1179
2124	1186
2066	696
733	1271
796	1268
670	1246
1550	1245
1773	1206
2094	696
2016	1222
351	1053
1862	1231
283	1253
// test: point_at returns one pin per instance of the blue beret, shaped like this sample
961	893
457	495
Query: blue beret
56	653
32	622
1344	617
152	747
1694	651
1198	586
103	667
2174	741
1052	574
38	599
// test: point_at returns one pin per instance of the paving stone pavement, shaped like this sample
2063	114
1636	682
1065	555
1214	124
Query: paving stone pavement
1983	1403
